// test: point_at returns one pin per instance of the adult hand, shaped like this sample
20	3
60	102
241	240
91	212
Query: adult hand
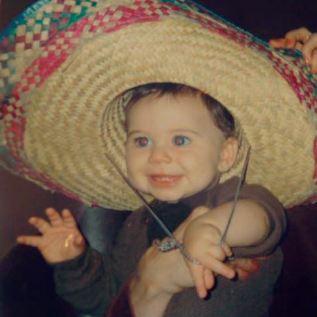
245	267
159	276
303	40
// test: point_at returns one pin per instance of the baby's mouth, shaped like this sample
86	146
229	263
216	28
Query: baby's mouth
164	180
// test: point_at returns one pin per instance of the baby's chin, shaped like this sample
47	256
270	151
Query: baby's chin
170	196
172	199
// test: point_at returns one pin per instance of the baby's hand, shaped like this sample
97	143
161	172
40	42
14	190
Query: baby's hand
201	241
61	239
303	40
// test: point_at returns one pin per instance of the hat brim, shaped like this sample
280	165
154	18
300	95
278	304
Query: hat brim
77	114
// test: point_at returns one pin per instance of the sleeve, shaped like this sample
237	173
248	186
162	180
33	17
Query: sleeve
121	305
88	282
275	210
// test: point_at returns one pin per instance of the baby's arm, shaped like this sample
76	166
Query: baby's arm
249	226
82	276
61	239
303	40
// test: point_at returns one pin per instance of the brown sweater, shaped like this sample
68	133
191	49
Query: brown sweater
92	281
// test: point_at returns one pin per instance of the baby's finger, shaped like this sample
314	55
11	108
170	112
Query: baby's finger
209	279
32	241
197	272
218	267
219	253
79	241
68	218
227	250
40	224
54	217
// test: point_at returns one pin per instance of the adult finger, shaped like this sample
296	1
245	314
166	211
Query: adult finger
283	43
298	35
278	43
309	49
314	62
40	224
244	264
244	267
54	217
242	274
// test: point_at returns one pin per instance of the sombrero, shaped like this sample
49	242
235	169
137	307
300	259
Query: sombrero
65	67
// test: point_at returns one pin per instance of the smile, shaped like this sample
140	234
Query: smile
164	180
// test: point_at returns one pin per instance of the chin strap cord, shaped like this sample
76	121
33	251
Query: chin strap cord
236	197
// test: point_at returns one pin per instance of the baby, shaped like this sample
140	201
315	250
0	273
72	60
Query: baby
179	142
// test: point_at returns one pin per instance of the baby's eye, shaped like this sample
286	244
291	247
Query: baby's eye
142	141
180	140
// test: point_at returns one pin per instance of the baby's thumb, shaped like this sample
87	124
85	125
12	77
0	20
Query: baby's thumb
79	241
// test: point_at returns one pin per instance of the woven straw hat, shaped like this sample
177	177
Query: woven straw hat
65	67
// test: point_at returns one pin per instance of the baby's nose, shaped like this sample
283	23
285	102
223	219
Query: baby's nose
160	155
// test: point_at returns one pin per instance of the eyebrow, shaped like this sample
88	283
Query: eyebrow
185	130
174	131
135	132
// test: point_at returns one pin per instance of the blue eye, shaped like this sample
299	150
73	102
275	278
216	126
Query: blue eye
180	140
142	141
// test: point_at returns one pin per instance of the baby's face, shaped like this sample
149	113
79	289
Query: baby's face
173	147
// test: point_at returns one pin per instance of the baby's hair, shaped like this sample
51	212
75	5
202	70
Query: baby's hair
222	117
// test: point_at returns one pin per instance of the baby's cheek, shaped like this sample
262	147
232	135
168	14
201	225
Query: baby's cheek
131	173
136	178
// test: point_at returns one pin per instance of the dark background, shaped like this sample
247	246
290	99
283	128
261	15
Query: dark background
24	277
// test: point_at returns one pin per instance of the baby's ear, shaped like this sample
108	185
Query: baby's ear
228	154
